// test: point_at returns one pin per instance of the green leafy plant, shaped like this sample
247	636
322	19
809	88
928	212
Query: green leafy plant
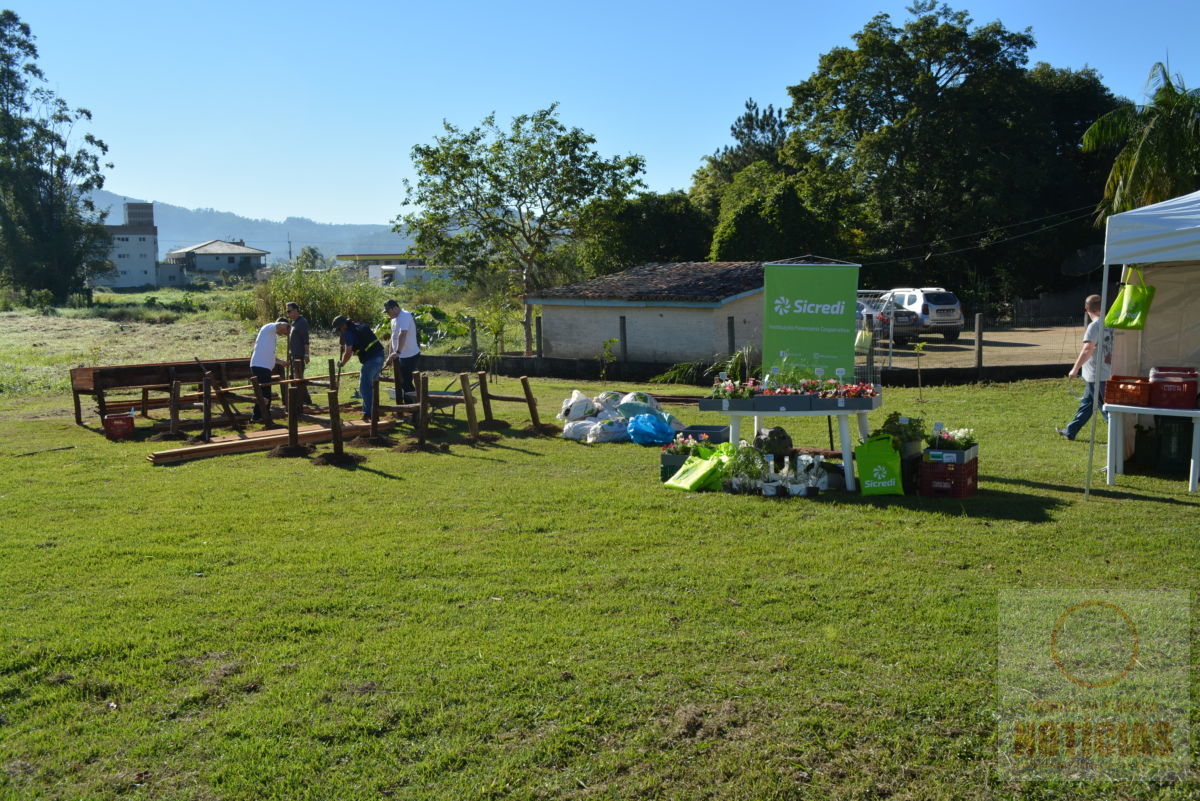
740	366
902	429
682	373
607	356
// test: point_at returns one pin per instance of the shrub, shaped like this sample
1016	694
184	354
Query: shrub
321	295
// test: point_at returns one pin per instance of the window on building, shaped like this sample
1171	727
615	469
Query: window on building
231	259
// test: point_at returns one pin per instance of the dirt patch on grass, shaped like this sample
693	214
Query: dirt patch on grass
494	425
339	459
289	452
542	430
166	436
704	722
371	442
412	446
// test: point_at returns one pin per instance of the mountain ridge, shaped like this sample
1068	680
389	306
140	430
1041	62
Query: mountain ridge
179	227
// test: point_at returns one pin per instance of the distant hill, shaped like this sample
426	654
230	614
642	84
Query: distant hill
179	227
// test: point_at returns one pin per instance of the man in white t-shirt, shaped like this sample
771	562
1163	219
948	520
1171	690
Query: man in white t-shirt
1085	364
263	361
404	346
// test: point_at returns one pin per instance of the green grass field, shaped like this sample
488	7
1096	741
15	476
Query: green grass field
531	618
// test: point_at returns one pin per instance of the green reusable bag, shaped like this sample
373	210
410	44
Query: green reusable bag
702	472
879	466
1129	310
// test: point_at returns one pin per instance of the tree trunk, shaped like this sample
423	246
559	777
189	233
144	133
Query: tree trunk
527	324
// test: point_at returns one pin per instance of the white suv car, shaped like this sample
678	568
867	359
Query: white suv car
939	310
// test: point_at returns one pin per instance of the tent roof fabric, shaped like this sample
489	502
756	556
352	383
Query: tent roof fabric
1167	231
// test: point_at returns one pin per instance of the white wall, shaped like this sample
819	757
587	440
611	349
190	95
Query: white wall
134	257
665	334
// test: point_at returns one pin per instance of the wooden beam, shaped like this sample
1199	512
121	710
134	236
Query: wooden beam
531	401
469	403
265	440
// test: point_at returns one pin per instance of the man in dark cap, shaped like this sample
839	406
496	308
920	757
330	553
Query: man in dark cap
298	347
405	349
358	338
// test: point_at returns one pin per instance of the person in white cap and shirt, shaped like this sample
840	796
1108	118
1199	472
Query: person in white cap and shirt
405	348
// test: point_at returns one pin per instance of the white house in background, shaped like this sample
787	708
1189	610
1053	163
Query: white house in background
684	311
134	250
392	269
215	255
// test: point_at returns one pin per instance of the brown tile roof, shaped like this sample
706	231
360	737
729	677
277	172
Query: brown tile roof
707	281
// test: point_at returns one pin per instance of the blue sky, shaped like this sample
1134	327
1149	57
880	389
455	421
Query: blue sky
271	109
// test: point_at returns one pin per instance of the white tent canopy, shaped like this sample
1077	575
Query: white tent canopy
1164	240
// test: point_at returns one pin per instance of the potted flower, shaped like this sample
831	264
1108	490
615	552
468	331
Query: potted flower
783	398
831	395
952	446
728	395
676	452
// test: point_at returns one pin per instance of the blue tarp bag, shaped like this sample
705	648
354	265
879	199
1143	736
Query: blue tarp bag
647	429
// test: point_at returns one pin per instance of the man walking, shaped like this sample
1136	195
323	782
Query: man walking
298	348
405	348
1086	363
358	338
264	361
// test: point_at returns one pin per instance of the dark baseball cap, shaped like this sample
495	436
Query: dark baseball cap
340	321
391	304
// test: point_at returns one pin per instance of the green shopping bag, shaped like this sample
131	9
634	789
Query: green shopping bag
702	472
879	466
1129	310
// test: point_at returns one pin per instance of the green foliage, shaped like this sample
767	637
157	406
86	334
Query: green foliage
1159	145
496	203
435	325
606	356
646	229
683	373
911	430
764	218
321	296
927	141
740	366
78	300
51	236
42	300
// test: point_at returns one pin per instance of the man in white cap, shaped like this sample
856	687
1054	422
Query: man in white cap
264	361
405	348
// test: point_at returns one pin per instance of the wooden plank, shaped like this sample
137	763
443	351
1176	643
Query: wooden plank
267	441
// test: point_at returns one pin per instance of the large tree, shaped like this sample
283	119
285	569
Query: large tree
491	200
647	228
934	139
758	136
1159	145
51	236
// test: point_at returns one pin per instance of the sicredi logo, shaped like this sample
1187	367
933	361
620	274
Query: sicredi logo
785	305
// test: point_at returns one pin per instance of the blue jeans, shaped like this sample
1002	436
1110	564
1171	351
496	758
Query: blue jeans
368	375
1084	412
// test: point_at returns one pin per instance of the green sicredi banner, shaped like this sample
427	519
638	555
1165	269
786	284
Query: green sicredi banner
808	319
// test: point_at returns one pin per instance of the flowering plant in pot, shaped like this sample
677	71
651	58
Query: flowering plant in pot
734	389
952	439
685	444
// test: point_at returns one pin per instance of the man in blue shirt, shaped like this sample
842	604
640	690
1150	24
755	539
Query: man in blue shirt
358	338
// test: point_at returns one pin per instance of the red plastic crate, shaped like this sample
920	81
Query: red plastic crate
1173	394
1127	390
942	480
118	426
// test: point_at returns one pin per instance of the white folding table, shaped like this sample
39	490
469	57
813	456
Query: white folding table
1116	438
842	415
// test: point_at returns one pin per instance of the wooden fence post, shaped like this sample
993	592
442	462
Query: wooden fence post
529	399
484	397
469	402
375	408
423	413
293	409
335	420
206	386
175	387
